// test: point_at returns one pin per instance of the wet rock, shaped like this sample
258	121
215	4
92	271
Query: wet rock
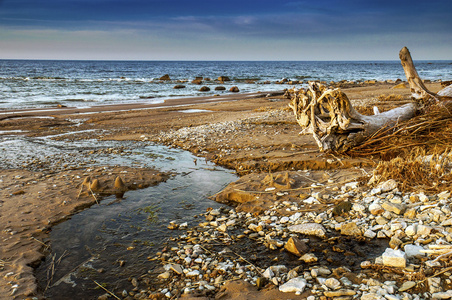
350	229
296	246
234	89
223	78
204	89
165	77
220	88
309	229
295	285
179	86
394	258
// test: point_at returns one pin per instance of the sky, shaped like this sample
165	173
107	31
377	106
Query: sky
225	30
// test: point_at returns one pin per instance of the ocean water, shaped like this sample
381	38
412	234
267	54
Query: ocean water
46	83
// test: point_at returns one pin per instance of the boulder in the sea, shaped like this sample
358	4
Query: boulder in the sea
179	86
234	89
165	77
220	88
223	78
204	89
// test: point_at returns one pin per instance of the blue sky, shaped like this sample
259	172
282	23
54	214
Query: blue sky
225	30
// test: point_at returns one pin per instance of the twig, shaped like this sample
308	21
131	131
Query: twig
436	274
106	290
47	246
92	193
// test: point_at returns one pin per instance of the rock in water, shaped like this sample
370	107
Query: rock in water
296	246
165	77
295	285
234	89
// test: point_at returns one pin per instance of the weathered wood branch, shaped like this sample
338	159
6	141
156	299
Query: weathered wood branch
328	115
418	90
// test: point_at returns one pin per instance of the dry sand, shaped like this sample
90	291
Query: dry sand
252	134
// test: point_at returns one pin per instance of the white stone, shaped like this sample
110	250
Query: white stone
447	222
413	250
411	230
333	283
442	295
392	297
423	230
222	228
369	234
375	209
394	258
388	185
309	229
294	285
284	220
358	207
308	258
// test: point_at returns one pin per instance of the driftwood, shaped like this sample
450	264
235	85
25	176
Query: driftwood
328	115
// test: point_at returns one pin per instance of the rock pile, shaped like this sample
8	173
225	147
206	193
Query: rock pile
306	252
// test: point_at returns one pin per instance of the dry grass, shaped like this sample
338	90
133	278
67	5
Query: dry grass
430	130
418	170
415	152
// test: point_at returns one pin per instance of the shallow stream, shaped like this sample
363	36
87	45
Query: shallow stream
111	242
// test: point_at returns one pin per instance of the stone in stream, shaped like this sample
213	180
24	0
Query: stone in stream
296	246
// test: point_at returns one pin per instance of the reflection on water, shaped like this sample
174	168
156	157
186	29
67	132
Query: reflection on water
112	241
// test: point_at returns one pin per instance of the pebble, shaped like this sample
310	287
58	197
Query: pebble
309	229
294	285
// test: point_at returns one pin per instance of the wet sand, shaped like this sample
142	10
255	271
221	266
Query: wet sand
252	134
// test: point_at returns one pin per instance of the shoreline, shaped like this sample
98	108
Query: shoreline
169	102
256	137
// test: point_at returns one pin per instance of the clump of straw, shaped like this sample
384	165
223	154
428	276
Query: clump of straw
418	171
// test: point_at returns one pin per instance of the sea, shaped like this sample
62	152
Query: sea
47	83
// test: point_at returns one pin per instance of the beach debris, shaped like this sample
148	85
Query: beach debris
328	115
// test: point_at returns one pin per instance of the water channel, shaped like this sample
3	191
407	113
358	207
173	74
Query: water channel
111	242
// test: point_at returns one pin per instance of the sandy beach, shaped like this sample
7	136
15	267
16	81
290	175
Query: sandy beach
257	136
